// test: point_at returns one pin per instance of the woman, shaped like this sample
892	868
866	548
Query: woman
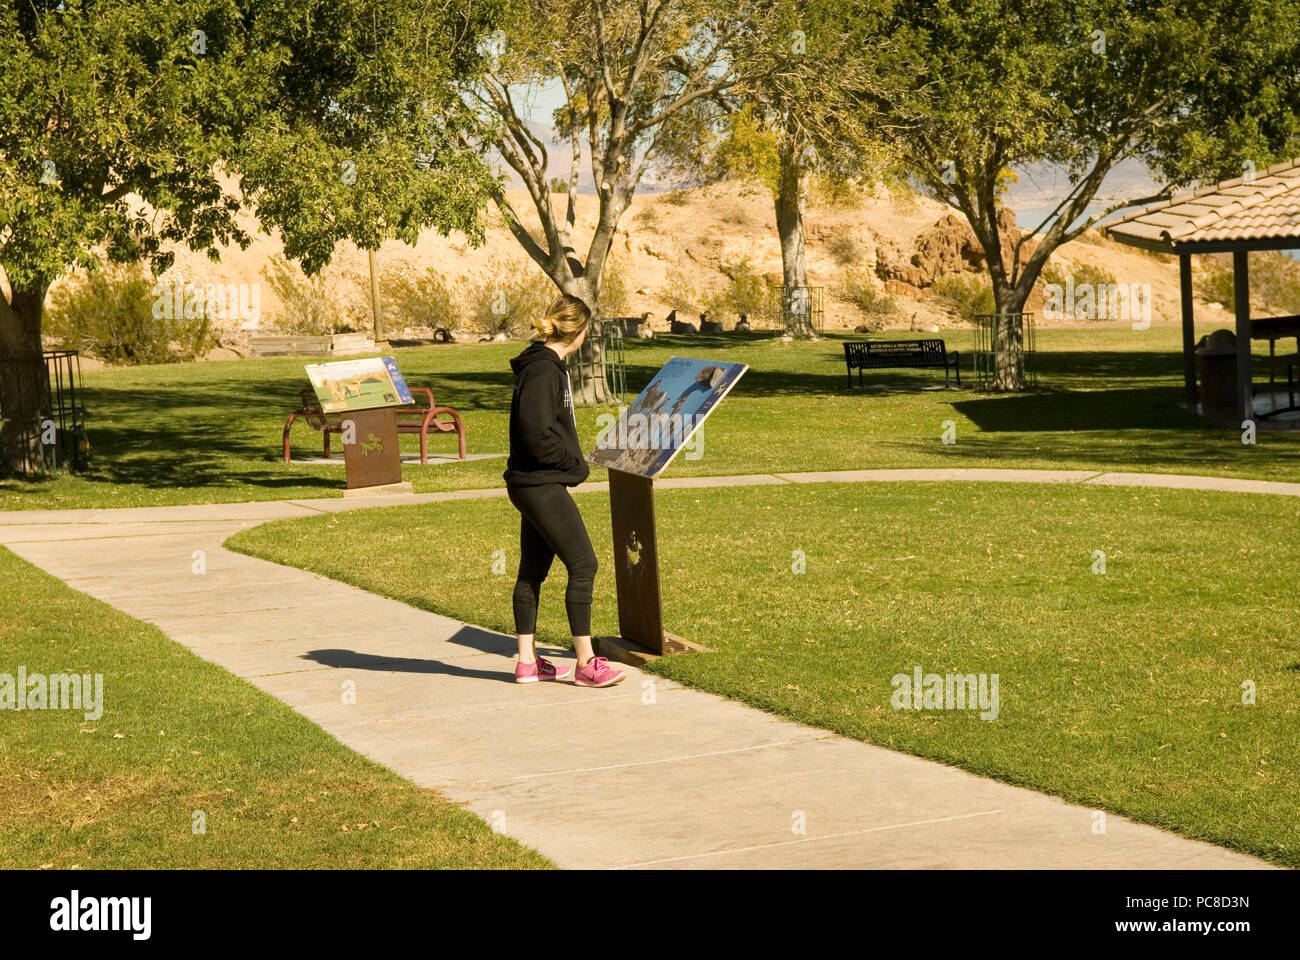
545	460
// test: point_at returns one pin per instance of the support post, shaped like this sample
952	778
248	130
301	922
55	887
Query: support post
636	560
1241	303
636	573
1189	328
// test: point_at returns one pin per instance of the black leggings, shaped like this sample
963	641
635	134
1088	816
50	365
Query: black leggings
552	526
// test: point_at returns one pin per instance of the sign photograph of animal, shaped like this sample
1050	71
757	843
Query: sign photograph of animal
358	384
665	415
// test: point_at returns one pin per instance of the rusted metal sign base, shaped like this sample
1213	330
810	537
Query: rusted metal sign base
636	574
373	459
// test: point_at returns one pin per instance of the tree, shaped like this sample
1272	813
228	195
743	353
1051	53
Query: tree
1191	88
780	126
128	125
628	72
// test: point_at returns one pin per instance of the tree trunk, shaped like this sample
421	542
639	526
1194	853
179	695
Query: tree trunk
591	385
24	382
796	307
1008	339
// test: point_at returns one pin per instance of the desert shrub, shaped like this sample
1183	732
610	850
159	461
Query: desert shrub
678	198
1216	284
1083	273
1274	282
420	300
1275	279
649	217
861	290
678	291
1093	275
746	292
613	289
844	249
319	305
966	294
116	314
505	296
559	185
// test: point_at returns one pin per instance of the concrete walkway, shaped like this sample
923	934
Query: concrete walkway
648	774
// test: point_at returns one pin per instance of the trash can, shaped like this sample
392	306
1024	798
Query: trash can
1216	368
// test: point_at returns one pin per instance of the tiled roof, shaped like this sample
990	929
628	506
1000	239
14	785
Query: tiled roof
1265	208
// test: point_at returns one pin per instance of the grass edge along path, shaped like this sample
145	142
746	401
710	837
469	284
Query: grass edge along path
191	767
1094	726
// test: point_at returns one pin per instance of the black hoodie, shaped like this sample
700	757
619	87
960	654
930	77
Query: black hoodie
543	434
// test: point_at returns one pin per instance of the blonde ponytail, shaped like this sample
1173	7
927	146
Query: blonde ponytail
565	319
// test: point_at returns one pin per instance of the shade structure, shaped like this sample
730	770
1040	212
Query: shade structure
1256	211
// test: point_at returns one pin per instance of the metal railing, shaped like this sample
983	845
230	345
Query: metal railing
43	413
608	363
788	307
1003	348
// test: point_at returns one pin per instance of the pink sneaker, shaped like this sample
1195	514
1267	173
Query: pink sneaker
597	673
540	669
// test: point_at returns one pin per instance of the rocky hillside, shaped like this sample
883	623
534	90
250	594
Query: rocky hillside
889	253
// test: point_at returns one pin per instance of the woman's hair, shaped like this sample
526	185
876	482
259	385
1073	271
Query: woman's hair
565	319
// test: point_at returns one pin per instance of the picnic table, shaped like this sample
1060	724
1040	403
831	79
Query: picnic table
1274	329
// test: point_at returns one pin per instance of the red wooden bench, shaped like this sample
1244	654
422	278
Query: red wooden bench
419	418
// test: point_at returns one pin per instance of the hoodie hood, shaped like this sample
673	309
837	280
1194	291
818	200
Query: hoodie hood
536	352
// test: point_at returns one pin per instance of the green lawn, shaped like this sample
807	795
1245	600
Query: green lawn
187	433
180	735
1121	690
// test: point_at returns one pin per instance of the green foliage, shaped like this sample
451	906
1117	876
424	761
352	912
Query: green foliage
317	305
559	185
112	315
99	101
1190	89
749	151
965	294
863	291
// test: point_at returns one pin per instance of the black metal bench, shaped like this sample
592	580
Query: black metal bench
878	354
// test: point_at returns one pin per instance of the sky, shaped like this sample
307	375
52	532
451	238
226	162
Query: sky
1032	198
